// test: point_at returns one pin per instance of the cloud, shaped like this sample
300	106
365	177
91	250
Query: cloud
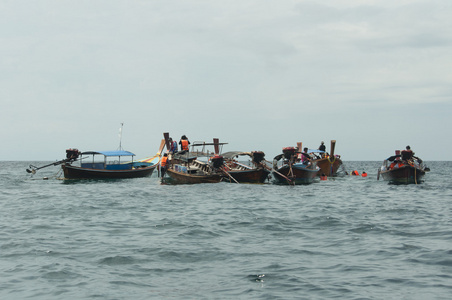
250	72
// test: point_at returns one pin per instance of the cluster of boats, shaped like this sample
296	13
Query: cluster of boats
198	164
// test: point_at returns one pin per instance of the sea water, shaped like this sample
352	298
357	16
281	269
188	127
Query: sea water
347	237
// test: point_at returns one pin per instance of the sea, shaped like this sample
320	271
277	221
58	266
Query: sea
349	237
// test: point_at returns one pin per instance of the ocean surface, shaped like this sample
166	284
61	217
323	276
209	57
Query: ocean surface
345	238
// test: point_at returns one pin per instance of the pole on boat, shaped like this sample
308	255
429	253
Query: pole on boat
333	144
120	136
32	169
166	136
216	144
230	176
300	149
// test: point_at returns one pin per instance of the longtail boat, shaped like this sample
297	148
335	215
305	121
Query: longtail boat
258	172
328	163
186	167
402	171
108	167
103	168
292	170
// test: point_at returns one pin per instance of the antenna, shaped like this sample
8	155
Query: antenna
120	136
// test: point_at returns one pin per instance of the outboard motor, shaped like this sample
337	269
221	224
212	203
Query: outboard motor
217	161
288	152
258	156
72	154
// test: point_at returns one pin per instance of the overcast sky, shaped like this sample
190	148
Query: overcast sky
260	75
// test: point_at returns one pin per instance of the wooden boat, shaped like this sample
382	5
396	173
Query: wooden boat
185	167
195	172
107	169
258	172
293	171
402	171
328	163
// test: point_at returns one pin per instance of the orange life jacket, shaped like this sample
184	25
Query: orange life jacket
164	161
184	144
364	174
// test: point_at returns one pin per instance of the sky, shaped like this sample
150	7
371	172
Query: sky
259	75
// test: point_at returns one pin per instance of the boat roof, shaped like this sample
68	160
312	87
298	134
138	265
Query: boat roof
110	153
232	154
315	151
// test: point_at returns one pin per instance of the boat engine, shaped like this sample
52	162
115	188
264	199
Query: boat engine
258	156
72	154
288	152
217	161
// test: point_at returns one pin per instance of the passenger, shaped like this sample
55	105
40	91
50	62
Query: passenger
163	165
355	173
305	157
173	146
184	142
407	154
364	174
322	148
323	177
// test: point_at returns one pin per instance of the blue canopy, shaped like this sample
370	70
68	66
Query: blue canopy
110	153
315	151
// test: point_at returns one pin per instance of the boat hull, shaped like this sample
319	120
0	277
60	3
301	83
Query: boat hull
403	175
328	167
73	172
298	175
185	178
249	176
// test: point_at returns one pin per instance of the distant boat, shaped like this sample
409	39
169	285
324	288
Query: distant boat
293	171
396	170
259	172
105	168
328	163
184	167
195	172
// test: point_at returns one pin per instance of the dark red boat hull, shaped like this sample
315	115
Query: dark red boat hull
185	178
249	176
405	174
297	176
328	166
72	172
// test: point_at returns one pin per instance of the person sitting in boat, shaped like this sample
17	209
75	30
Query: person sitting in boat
305	157
184	142
395	164
173	146
407	154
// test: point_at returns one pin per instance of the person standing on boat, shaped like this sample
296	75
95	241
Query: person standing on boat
184	142
163	165
322	147
407	154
